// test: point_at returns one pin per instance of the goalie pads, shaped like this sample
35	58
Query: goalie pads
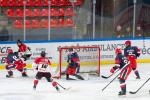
71	71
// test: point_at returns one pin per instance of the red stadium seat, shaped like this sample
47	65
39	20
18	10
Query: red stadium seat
69	12
69	22
53	12
35	24
62	3
3	3
29	3
68	3
36	12
20	3
44	23
61	22
19	12
54	3
17	24
38	2
28	24
53	23
45	3
12	3
44	12
61	12
29	13
10	13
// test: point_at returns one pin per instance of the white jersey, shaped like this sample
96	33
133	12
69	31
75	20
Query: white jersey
42	64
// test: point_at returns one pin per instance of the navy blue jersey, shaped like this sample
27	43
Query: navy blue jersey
73	57
121	60
12	57
132	51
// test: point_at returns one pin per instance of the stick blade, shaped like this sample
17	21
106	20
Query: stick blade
67	88
131	92
105	77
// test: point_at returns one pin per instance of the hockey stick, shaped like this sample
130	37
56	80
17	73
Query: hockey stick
106	77
63	87
110	82
139	87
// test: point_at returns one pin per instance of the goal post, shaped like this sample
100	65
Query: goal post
89	59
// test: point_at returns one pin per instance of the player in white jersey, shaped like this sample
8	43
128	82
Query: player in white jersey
42	65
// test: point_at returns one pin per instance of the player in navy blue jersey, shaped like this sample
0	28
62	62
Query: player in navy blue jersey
132	53
123	64
14	62
73	67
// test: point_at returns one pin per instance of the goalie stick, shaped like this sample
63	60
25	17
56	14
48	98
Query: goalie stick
131	92
106	77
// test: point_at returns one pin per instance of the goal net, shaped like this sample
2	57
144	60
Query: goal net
89	59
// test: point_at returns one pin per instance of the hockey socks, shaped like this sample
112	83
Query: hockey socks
137	74
35	84
54	84
123	87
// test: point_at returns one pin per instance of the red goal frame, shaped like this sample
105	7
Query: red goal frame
77	47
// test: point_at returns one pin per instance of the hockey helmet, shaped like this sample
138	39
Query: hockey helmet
128	42
118	51
9	51
43	53
19	42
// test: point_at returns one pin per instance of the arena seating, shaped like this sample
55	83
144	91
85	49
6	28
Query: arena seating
37	11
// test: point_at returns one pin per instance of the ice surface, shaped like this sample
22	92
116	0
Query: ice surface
19	88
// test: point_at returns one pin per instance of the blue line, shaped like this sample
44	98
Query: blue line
77	40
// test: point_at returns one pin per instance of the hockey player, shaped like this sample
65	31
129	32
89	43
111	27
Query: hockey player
123	64
13	62
73	67
42	65
132	52
24	50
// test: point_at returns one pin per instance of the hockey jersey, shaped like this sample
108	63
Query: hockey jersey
73	57
12	57
121	61
42	64
132	51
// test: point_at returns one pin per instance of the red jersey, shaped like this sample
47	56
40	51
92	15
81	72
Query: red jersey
23	48
43	64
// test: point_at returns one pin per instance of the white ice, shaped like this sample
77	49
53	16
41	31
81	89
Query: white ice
19	88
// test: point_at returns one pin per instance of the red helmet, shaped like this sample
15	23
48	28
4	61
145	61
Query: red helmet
128	42
118	51
10	51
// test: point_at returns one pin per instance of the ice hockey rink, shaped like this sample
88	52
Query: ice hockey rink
19	88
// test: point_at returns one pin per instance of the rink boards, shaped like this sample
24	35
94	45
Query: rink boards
107	46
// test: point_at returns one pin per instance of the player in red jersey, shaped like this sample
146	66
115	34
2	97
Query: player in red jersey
42	65
14	62
132	53
123	64
24	50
